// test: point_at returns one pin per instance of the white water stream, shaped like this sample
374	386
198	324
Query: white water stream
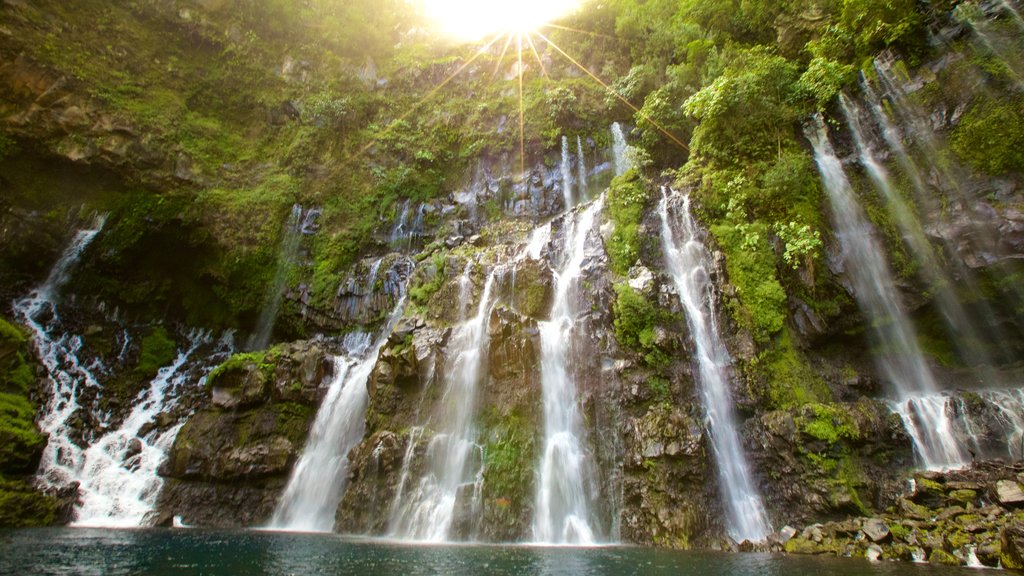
454	467
899	357
562	509
687	261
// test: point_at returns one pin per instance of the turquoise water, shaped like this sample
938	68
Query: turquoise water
165	552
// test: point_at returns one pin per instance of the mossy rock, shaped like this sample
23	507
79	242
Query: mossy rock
22	506
943	558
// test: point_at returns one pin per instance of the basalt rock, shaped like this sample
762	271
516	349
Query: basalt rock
231	460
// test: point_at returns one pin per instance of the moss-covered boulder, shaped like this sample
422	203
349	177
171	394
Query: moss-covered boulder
231	460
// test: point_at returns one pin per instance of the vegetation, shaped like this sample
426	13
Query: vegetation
627	200
637	322
158	350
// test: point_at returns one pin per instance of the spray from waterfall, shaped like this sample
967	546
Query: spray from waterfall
566	168
619	150
454	466
960	325
562	509
581	168
287	255
899	357
319	479
687	261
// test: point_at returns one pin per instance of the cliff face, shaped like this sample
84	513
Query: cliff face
231	159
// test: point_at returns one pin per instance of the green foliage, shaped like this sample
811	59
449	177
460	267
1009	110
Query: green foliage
746	114
660	388
878	24
327	110
158	350
20	441
989	136
802	243
750	262
627	198
636	320
824	79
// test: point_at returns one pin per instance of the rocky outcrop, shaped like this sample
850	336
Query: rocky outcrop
952	518
231	460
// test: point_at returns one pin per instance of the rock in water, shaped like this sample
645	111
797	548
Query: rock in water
873	553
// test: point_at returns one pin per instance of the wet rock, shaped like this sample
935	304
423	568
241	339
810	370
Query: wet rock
873	553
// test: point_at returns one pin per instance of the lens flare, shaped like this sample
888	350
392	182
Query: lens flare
474	19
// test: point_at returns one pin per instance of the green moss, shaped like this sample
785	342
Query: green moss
989	136
941	557
158	350
263	360
627	198
422	293
22	506
760	304
20	441
827	422
899	531
789	380
636	321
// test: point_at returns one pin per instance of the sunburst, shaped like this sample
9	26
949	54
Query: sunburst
513	24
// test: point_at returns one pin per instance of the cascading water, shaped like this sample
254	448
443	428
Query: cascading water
900	358
687	262
318	481
961	326
454	463
119	481
581	169
562	509
622	162
566	168
117	473
287	255
57	349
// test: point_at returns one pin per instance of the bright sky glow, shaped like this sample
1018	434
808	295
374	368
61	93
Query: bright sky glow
475	19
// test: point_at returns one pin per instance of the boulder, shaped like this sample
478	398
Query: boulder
1011	540
1009	493
876	530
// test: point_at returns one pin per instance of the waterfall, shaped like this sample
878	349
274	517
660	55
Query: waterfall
287	254
57	349
900	359
454	460
961	326
622	162
688	261
319	478
117	474
566	167
119	481
581	169
562	514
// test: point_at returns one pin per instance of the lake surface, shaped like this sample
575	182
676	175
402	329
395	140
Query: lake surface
165	552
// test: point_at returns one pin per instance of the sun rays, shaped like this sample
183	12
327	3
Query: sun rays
529	46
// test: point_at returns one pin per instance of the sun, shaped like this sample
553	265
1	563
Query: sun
474	19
